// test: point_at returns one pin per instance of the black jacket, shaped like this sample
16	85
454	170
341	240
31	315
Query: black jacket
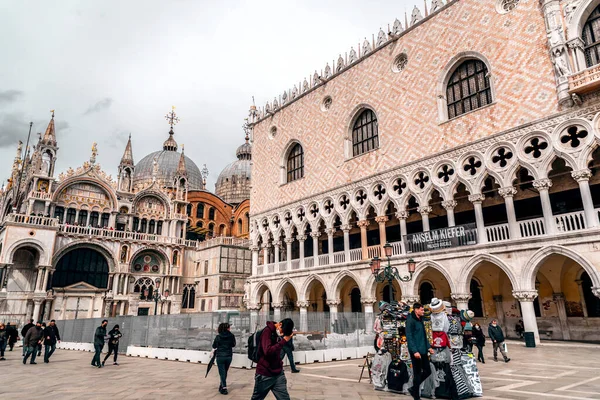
13	334
114	335
99	336
479	336
495	333
26	329
3	335
224	343
51	334
34	336
416	338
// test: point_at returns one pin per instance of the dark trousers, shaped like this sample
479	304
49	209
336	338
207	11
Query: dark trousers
421	371
223	364
11	344
49	351
480	353
112	348
30	351
290	355
97	353
2	347
499	346
275	384
39	349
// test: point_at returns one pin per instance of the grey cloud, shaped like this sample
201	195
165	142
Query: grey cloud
116	140
13	127
103	104
9	96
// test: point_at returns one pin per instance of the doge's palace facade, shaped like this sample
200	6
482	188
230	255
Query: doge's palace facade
467	138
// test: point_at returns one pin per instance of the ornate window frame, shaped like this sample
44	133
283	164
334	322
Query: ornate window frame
283	161
349	143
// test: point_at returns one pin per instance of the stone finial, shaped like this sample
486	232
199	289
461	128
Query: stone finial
416	16
284	98
294	92
436	5
397	28
275	104
381	37
316	79
340	64
366	47
305	85
327	71
352	56
267	108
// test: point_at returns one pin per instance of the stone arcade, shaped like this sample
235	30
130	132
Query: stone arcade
481	114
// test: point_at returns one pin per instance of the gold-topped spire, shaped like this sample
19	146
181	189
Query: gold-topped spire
170	144
50	135
172	118
127	158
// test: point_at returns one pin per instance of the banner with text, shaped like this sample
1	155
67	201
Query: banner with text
443	238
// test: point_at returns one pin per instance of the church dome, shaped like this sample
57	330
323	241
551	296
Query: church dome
233	184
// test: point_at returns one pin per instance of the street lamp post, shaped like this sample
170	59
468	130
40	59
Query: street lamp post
390	273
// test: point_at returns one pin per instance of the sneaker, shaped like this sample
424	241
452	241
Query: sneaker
33	362
24	361
46	361
506	359
295	371
224	391
103	363
99	366
115	363
2	358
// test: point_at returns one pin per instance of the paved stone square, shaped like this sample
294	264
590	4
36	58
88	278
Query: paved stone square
552	371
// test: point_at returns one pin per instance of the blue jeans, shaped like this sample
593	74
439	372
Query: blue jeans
2	347
30	351
97	352
49	350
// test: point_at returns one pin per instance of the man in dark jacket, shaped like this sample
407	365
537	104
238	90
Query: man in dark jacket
418	348
33	338
51	336
24	331
99	336
269	369
495	333
13	335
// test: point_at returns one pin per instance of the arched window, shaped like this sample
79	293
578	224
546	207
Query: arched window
59	213
591	38
221	230
94	216
240	225
71	213
295	163
159	228
365	133
104	220
468	88
211	230
355	300
192	298
200	210
211	213
175	255
199	224
189	210
184	298
151	226
82	221
81	264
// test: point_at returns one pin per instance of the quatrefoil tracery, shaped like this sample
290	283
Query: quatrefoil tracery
472	166
399	186
502	156
421	180
573	136
445	173
361	197
536	147
379	192
344	202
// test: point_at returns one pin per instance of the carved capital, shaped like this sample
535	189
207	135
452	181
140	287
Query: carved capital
576	43
368	301
363	223
462	297
556	297
425	210
582	175
276	306
346	227
596	291
289	240
498	298
382	219
525	295
402	214
253	307
254	248
301	238
508	191
410	299
303	304
315	235
542	184
330	231
476	198
333	302
277	243
449	204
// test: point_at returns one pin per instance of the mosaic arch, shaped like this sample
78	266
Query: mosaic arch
87	192
148	262
151	206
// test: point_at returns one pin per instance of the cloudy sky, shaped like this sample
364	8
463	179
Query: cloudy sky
110	68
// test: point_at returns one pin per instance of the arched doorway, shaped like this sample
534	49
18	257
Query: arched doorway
426	292
23	272
592	303
432	283
476	301
382	291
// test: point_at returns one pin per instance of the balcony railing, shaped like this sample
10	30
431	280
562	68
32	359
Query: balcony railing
570	222
585	81
87	231
31	220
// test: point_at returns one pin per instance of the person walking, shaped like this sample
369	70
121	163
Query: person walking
479	338
39	348
269	369
13	335
114	335
223	344
418	348
495	333
51	336
99	336
3	340
24	331
288	349
33	338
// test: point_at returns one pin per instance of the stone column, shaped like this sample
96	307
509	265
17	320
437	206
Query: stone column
363	224
87	221
122	308
508	193
402	217
130	224
542	186
301	239
368	310
29	311
559	299
315	238
288	252
381	220
36	309
276	311
125	284
526	298
477	199
333	314
303	306
265	254
499	301
276	250
346	230
76	216
254	309
48	309
111	220
39	279
424	211
330	232
254	250
450	205
582	297
583	177
577	47
462	300
46	208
